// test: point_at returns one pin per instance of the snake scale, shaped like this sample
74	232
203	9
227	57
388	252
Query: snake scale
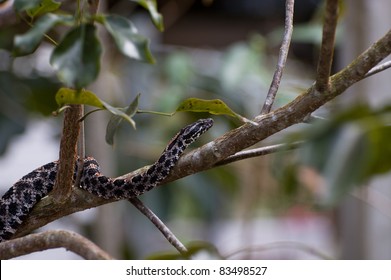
19	200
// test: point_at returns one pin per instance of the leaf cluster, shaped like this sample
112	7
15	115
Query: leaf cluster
76	58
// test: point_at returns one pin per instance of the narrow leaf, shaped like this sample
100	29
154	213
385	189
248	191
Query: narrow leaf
119	112
127	38
116	120
215	107
77	57
151	6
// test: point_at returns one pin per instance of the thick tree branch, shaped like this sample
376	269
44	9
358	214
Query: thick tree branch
231	142
282	57
50	240
68	152
327	48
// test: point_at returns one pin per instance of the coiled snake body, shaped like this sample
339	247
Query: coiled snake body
18	201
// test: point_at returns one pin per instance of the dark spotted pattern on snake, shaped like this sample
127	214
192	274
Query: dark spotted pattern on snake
19	200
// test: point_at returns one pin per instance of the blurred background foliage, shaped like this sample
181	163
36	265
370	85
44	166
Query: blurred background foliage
211	49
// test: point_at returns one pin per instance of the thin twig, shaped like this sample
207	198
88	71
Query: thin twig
282	57
327	48
260	152
159	225
50	240
379	68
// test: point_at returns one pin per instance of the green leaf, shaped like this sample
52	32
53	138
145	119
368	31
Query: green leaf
127	38
23	5
77	57
46	6
66	96
28	42
151	6
215	107
116	120
119	112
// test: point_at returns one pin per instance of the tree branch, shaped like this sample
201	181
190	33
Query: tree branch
294	112
231	142
282	57
50	240
327	48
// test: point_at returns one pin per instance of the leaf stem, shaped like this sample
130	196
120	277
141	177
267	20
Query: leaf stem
155	113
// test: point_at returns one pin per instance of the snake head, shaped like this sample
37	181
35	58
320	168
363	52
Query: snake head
191	132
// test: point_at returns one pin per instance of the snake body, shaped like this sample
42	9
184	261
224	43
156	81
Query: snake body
19	200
